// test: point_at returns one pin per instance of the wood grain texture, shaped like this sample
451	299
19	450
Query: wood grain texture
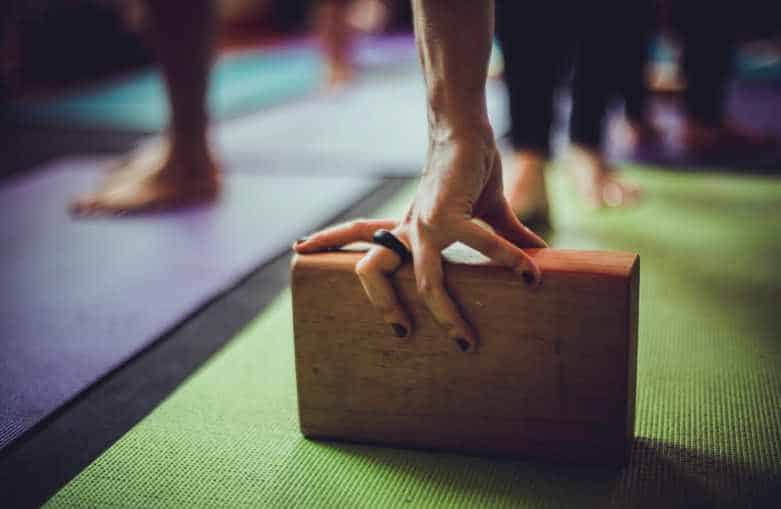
553	376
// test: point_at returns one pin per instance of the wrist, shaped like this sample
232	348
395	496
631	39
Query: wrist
463	125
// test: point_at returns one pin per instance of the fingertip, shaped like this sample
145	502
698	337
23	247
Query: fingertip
80	207
465	340
464	344
399	330
399	324
531	274
297	245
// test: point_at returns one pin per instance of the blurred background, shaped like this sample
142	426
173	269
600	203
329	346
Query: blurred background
649	126
85	64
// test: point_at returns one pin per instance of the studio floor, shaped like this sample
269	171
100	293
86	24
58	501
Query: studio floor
203	413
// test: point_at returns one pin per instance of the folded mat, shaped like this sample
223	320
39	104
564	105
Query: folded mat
240	82
709	388
80	297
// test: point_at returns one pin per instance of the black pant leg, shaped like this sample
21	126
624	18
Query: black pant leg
708	38
591	82
641	19
534	48
610	57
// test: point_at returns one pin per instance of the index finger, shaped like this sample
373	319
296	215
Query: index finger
359	230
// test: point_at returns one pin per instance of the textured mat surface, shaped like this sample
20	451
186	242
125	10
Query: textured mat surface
241	82
709	389
79	297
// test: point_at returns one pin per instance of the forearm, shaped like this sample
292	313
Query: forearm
454	42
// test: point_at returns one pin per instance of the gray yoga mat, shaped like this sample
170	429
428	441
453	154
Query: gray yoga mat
81	297
376	126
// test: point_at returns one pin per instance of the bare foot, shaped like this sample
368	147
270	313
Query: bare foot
596	182
524	188
151	180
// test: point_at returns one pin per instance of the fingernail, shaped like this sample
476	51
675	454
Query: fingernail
399	330
302	239
463	344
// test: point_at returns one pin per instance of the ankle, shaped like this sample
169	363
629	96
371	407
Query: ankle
533	160
586	159
191	157
586	152
526	190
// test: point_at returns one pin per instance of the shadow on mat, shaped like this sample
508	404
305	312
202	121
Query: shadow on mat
659	474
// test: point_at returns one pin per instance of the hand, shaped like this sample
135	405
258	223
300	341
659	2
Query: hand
462	181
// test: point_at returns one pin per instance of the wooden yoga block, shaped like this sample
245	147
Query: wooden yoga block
553	376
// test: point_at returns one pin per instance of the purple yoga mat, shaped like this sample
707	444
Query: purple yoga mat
80	297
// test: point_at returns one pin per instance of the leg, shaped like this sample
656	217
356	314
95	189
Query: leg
533	58
336	37
183	172
600	73
708	58
636	36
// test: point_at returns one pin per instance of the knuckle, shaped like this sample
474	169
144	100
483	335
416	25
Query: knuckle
359	225
425	288
506	255
493	247
431	219
364	268
516	259
440	213
430	291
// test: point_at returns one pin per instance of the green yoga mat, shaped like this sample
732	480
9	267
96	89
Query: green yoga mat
709	388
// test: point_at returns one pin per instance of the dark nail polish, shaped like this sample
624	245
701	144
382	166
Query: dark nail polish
463	344
399	330
302	239
528	277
